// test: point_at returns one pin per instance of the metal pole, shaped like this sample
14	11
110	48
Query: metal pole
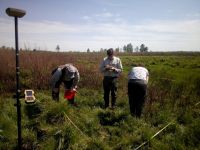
17	13
17	86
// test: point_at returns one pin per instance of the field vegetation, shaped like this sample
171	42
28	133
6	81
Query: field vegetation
173	98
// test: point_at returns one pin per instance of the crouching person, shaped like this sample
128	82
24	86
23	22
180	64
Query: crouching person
67	74
137	88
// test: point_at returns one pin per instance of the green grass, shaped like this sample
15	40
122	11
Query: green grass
97	128
173	91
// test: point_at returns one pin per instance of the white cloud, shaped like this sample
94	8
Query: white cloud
103	17
36	27
193	15
104	14
157	35
86	17
177	27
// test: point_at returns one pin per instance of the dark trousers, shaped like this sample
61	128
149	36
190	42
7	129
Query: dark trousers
136	93
67	84
110	85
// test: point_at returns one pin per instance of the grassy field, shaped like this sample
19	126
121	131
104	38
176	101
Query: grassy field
173	100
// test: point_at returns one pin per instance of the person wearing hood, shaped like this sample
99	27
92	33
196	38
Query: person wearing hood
67	74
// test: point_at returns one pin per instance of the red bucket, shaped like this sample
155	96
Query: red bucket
69	94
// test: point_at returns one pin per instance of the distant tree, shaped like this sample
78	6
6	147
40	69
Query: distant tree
3	47
88	50
117	50
146	49
26	47
137	49
143	48
58	48
129	48
101	50
125	48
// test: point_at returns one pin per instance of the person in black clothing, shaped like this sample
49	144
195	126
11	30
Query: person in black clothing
137	88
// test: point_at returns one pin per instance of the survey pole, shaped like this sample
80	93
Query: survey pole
17	13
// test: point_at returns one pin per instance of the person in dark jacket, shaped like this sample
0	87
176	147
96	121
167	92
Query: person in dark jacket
67	74
137	88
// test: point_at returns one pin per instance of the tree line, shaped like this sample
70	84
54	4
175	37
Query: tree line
128	49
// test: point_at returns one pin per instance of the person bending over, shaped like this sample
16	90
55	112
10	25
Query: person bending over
67	74
137	88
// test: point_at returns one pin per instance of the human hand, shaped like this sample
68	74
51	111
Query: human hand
109	68
74	89
71	90
115	69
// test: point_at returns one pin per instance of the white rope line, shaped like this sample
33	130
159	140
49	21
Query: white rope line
144	143
153	136
75	126
158	132
197	103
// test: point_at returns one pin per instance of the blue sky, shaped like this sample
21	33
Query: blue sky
75	25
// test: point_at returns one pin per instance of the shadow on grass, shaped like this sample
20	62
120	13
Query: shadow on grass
109	117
